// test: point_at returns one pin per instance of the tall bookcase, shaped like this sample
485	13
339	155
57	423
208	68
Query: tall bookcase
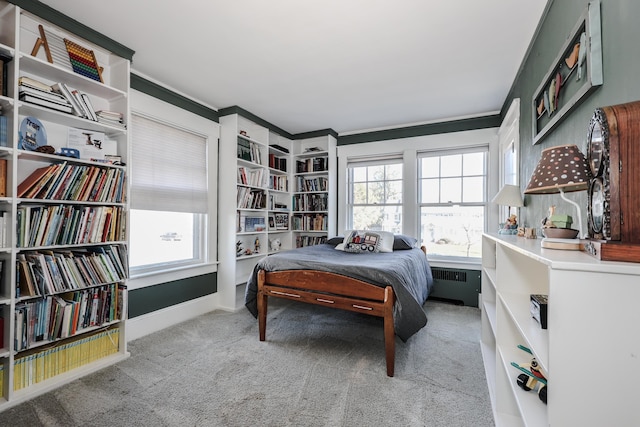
313	205
259	209
63	284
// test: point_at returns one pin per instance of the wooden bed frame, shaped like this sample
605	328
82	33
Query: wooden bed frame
330	290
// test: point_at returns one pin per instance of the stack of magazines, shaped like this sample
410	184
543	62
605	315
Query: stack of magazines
112	118
38	93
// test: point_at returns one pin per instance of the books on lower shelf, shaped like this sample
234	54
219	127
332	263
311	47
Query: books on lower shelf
250	198
309	222
310	202
302	241
54	317
47	363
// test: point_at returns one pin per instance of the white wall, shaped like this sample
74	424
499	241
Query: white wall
409	148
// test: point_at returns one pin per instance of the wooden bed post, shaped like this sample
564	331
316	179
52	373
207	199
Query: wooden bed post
262	306
389	332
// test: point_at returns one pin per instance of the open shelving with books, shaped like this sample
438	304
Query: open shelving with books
64	254
313	205
264	160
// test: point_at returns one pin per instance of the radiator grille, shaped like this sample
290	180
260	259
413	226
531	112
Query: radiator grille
450	275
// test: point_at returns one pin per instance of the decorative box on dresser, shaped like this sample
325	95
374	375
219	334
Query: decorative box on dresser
590	350
64	251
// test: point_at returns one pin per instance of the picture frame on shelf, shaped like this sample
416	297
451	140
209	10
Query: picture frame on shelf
254	224
576	72
272	222
282	221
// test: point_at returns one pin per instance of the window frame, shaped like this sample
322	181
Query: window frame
367	162
150	107
441	204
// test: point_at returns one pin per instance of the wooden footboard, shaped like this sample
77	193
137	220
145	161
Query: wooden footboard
330	290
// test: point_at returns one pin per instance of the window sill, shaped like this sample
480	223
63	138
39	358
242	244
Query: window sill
143	280
465	264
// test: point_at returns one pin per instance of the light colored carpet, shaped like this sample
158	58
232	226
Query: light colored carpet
318	367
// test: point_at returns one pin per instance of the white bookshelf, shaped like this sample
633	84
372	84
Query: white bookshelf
590	349
27	364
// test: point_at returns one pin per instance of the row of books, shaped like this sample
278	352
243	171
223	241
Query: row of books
312	164
310	202
276	162
249	151
4	141
279	183
48	225
43	273
251	177
250	198
311	184
61	97
5	226
62	316
33	368
309	222
302	241
62	181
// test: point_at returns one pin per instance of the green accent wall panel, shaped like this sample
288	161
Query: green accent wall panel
157	297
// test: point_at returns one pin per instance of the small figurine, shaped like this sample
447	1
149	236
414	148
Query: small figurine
275	245
256	245
533	377
239	248
510	226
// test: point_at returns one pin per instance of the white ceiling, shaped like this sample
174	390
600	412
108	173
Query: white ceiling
349	65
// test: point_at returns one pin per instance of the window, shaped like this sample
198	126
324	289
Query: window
452	200
169	196
375	195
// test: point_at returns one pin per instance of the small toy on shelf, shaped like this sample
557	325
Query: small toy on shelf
510	226
256	245
275	245
533	378
239	248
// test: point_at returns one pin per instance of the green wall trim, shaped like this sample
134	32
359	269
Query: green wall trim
153	298
316	133
164	94
422	130
227	111
75	27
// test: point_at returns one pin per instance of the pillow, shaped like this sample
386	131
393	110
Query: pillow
402	242
361	241
335	240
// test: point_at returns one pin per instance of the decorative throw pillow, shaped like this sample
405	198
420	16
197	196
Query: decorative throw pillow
360	241
402	242
335	240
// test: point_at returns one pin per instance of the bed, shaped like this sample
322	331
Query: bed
392	285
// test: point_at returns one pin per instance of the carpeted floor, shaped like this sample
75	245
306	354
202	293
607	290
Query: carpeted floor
318	367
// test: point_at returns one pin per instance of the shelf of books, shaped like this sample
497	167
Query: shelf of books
63	206
313	203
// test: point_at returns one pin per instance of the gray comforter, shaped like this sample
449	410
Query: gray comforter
407	271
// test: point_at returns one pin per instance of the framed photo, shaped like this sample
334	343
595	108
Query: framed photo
272	222
254	223
282	221
576	72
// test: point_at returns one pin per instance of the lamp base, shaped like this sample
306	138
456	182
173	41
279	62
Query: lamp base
563	244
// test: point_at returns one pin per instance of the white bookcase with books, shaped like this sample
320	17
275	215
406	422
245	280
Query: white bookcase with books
257	215
314	205
64	254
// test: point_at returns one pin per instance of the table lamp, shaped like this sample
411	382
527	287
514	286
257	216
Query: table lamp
509	195
561	169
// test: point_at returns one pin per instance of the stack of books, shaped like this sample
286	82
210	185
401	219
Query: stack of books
38	93
112	118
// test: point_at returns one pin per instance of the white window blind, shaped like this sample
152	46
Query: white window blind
169	167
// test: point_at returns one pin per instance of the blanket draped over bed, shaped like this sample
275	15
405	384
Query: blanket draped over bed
407	271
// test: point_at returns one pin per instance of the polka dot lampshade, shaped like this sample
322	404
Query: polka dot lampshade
560	168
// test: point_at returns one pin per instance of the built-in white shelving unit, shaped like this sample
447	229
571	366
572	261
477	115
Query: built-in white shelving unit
281	193
590	351
63	291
